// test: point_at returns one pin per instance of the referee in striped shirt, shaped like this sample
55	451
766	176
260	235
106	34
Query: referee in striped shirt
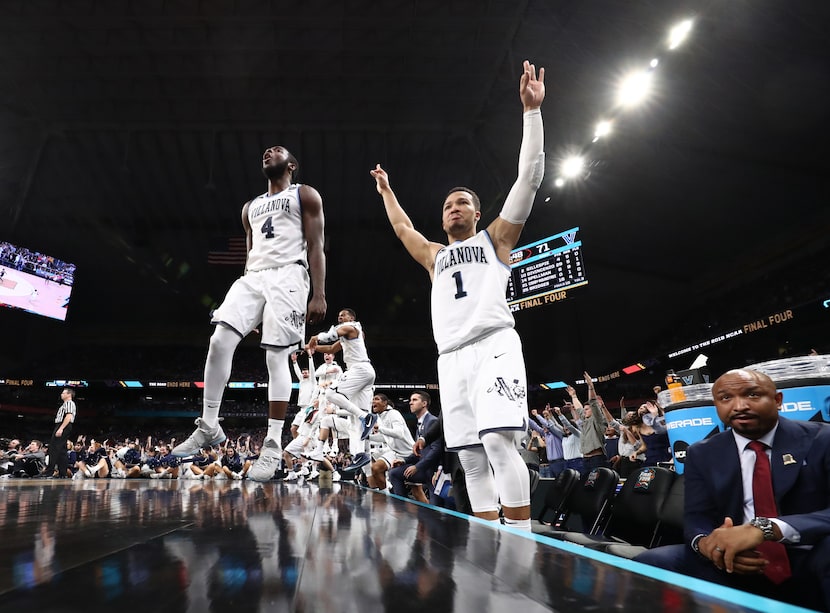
63	428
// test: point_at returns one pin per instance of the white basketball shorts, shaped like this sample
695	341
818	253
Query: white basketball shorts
483	388
275	297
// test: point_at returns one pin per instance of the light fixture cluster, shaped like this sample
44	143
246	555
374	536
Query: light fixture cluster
632	90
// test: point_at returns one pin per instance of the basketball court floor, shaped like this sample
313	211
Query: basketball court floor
240	546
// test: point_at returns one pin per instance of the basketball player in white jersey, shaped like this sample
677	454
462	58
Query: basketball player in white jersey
481	370
353	391
284	231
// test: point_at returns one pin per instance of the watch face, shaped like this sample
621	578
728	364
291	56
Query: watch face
765	525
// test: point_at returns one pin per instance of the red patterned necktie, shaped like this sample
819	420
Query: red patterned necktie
778	568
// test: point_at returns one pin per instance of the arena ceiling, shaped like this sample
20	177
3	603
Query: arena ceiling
131	133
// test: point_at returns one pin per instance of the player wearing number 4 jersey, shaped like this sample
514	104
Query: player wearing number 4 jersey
284	230
481	369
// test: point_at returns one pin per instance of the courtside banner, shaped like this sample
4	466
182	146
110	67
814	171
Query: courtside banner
690	425
807	403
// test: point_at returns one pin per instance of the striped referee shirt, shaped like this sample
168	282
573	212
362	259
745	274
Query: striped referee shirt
67	407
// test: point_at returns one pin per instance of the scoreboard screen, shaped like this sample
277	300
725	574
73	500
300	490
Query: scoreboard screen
544	271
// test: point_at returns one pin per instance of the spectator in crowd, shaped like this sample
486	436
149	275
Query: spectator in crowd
97	462
30	461
127	462
196	466
151	466
168	463
629	444
77	457
232	465
593	420
571	435
553	432
7	456
654	435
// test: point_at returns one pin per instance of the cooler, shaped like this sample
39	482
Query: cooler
690	417
805	383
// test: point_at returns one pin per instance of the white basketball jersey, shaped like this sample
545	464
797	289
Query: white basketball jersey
354	350
469	287
277	230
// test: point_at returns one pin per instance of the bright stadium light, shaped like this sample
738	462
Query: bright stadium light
653	63
679	33
559	182
603	128
634	88
572	166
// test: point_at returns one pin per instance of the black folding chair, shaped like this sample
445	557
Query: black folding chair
634	516
552	512
587	504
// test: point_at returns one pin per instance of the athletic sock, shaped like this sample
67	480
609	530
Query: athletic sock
210	412
275	429
520	524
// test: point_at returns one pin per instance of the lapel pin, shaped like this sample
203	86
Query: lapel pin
788	459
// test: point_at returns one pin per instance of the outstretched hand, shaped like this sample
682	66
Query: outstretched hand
531	88
381	178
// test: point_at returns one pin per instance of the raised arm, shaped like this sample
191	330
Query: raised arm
421	250
297	370
313	228
577	404
507	227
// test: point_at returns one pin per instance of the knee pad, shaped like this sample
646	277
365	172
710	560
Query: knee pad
509	470
481	488
279	374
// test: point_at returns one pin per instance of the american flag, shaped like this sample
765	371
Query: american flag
227	251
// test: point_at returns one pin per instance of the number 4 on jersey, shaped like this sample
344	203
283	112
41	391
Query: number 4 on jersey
268	228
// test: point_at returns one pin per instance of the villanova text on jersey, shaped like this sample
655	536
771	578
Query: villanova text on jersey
270	206
461	255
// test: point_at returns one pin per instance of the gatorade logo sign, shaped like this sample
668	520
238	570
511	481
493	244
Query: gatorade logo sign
794	407
691	423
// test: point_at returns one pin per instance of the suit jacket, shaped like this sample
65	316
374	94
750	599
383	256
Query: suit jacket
800	463
432	454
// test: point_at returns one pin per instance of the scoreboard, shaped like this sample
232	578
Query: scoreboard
544	271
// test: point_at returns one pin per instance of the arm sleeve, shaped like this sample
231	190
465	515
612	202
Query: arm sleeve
329	336
519	201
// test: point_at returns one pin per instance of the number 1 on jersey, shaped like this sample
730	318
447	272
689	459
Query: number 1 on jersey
459	285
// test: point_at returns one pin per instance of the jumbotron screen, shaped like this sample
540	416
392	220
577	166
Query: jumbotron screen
34	282
544	271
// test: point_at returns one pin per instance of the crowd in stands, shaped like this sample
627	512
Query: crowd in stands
32	262
135	454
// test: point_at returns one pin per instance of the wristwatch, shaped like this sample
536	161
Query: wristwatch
765	525
696	542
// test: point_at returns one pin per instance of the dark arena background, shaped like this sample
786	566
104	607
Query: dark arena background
685	218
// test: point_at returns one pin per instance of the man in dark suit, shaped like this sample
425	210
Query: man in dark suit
728	540
418	468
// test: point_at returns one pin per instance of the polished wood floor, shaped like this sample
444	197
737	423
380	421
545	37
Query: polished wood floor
240	546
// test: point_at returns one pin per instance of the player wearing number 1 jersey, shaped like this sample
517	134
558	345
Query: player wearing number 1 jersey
284	230
481	369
